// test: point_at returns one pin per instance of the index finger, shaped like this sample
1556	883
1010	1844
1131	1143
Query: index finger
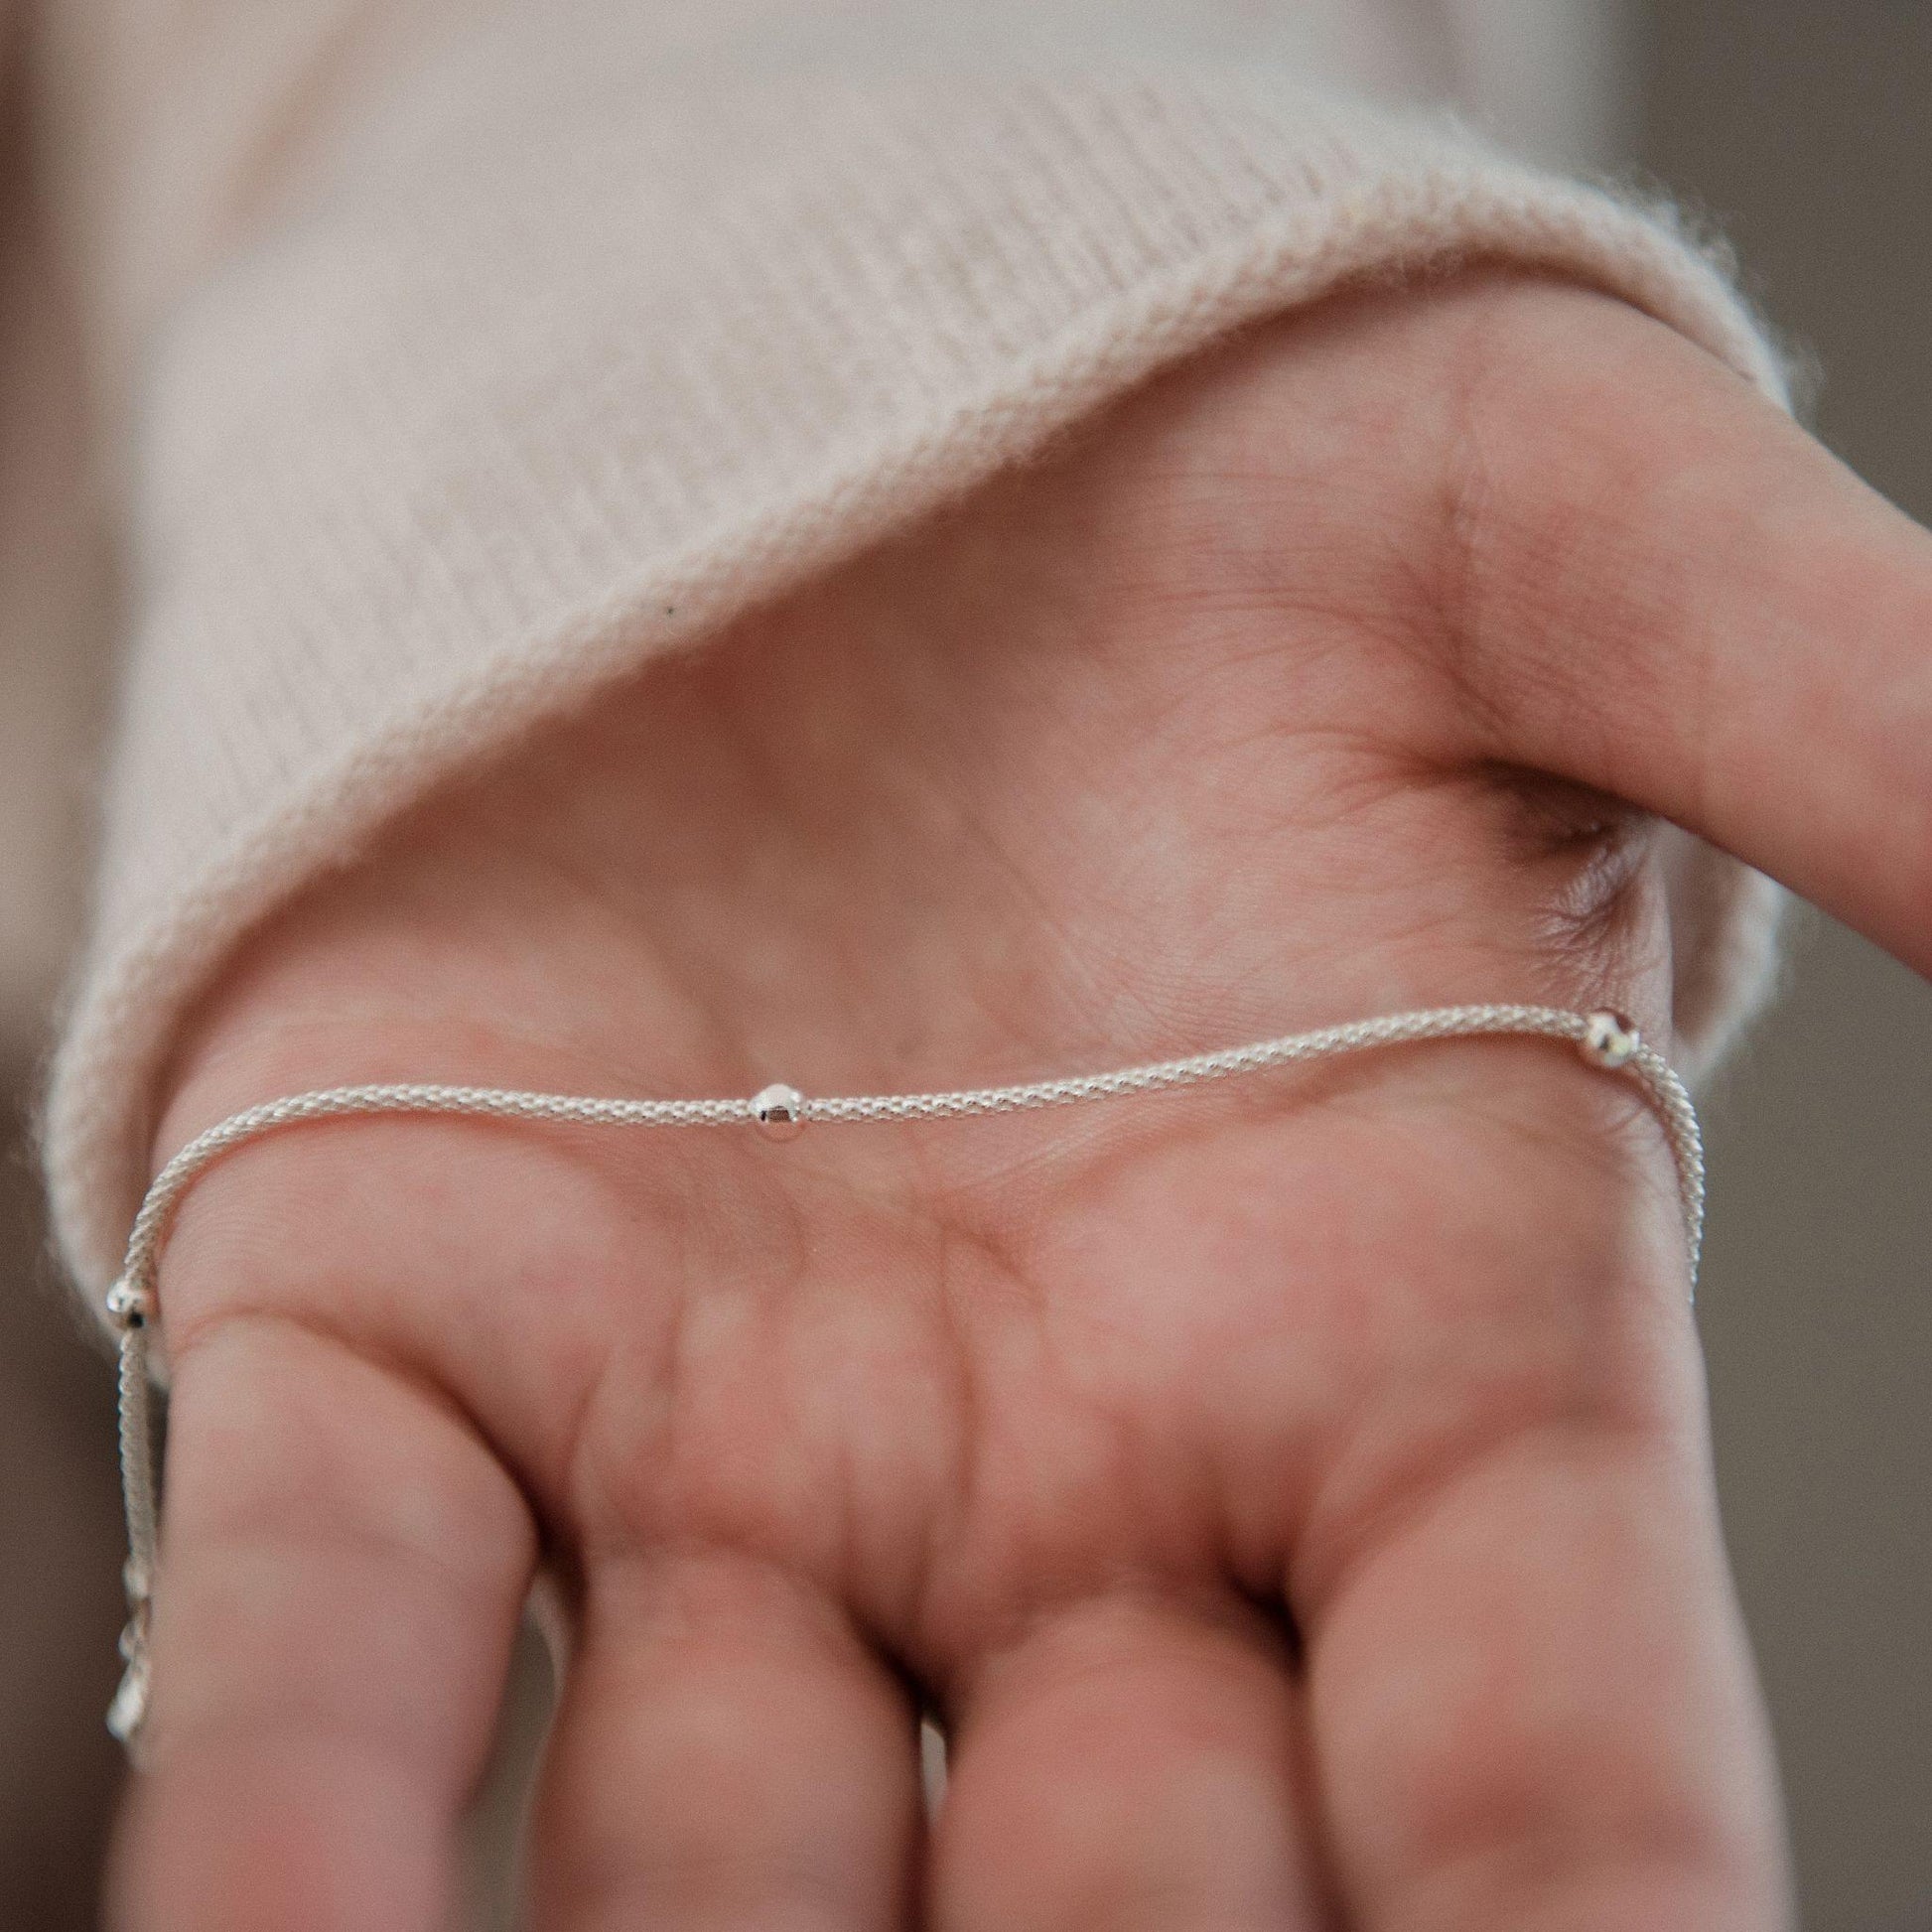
1532	1705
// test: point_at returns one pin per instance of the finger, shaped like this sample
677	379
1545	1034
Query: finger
728	1755
1521	1727
1678	596
340	1587
1128	1765
1531	1700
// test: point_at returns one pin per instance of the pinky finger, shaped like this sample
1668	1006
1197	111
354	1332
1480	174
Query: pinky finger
341	1577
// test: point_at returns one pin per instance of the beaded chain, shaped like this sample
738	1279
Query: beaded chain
1606	1039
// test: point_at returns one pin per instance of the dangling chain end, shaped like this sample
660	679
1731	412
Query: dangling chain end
130	1307
130	1705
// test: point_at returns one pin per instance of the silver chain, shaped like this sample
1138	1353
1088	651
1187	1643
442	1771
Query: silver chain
1605	1039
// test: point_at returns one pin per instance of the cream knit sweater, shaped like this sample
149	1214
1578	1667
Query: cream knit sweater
445	358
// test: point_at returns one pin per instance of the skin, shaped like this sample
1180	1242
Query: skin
1292	1497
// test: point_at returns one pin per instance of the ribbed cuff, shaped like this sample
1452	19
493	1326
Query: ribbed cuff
475	434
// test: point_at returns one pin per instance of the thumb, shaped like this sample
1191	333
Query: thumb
1673	593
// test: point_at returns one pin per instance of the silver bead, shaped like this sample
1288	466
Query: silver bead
780	1112
1611	1041
129	1306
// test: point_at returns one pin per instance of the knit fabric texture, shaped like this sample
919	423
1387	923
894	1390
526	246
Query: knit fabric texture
593	326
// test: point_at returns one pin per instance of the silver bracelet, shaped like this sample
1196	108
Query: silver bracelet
1606	1039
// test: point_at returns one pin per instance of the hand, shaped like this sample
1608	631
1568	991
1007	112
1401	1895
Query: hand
1292	1497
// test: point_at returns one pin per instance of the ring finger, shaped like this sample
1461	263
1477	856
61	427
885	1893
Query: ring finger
1129	1765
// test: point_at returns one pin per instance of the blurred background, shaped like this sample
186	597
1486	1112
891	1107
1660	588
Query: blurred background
1804	133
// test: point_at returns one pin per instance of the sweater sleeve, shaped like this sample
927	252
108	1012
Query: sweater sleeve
468	355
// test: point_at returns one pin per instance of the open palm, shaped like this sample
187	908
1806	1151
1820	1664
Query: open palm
1291	1497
